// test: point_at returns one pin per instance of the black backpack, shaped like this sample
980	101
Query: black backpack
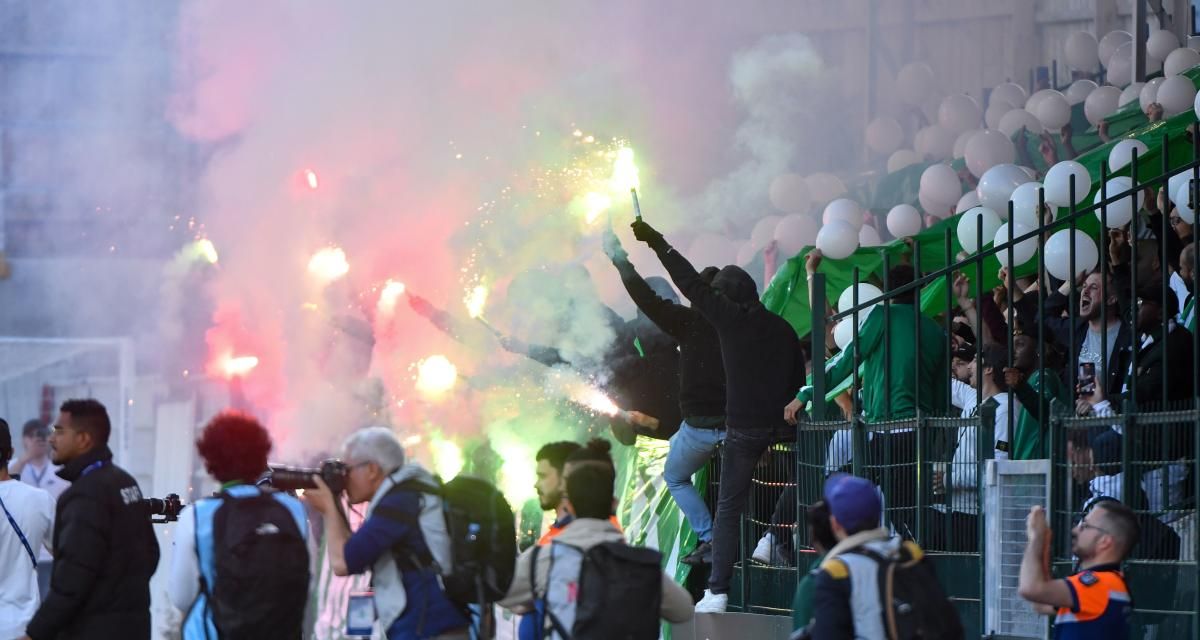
260	564
914	605
483	540
617	591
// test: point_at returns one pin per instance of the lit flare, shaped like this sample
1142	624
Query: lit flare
328	264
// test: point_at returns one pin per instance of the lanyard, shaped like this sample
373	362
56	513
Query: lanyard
37	477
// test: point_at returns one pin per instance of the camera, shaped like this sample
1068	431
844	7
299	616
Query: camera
285	478
168	507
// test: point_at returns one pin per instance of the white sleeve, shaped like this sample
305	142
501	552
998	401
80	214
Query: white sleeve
1002	432
840	450
963	468
183	580
49	509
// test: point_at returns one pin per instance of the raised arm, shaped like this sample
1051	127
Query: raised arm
718	309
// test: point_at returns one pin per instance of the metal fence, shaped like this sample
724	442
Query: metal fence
1140	447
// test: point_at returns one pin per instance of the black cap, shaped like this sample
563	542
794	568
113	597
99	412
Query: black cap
965	351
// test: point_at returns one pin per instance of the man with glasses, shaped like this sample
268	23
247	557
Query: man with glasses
1094	602
392	543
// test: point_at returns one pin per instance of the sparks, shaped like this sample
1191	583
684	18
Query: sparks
595	400
435	376
328	264
475	300
595	204
238	366
310	177
625	172
205	249
388	296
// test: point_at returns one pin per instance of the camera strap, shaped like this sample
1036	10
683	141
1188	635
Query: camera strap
20	534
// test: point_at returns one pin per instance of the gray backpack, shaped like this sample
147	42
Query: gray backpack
585	588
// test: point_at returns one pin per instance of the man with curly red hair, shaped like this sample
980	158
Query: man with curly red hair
221	541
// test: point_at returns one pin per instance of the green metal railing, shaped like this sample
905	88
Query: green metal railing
1157	471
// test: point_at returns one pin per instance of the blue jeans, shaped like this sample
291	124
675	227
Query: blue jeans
691	448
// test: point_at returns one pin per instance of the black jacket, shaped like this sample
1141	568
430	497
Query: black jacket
1118	360
701	373
104	554
764	366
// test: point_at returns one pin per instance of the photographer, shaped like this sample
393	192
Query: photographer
240	561
104	548
409	600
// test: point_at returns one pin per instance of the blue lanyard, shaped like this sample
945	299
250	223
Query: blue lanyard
91	467
37	477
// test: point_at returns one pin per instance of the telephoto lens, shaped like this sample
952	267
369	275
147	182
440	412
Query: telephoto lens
168	507
286	478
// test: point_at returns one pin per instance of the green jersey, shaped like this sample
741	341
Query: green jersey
1029	438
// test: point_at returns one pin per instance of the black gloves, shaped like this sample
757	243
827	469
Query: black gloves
646	233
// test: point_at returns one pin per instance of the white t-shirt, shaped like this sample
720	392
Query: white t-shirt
33	510
46	478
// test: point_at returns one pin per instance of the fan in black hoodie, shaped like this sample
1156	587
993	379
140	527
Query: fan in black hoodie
764	368
701	389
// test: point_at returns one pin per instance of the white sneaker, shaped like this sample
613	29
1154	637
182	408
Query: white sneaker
762	552
712	602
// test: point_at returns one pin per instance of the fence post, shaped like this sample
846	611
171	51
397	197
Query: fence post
817	337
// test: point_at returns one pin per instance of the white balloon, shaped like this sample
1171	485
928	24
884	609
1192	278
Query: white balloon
869	237
884	135
1101	103
1022	251
959	113
1120	70
1176	94
1193	43
1160	44
1119	213
996	110
713	249
1058	254
914	83
1174	181
1054	111
987	149
934	142
789	193
1121	153
960	143
1010	92
866	293
1183	196
933	207
969	226
794	232
969	200
1180	60
1080	90
940	183
1110	43
901	159
997	184
1149	93
764	231
837	239
1083	52
1196	105
1025	203
1058	183
843	333
824	187
1017	119
1132	93
843	209
903	220
1034	100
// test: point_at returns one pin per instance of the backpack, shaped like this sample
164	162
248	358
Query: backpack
260	566
913	603
611	591
482	539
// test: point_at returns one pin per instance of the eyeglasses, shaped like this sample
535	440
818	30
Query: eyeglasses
1084	525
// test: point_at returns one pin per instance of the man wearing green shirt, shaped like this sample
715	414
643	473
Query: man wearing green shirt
820	535
1034	387
911	374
